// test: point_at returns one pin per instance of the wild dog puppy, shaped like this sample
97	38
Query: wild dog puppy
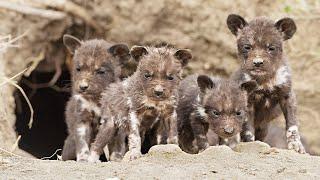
96	64
208	103
260	48
134	105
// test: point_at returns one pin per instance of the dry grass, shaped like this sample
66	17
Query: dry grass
8	42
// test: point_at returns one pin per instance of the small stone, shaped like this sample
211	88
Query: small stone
281	170
302	171
252	147
165	149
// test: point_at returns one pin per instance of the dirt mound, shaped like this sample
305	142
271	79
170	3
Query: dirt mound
253	160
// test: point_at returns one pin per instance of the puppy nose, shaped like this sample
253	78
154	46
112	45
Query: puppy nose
257	62
228	129
158	93
83	86
158	90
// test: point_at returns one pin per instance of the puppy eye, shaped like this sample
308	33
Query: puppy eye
101	71
78	69
216	113
147	75
239	113
170	77
247	47
271	48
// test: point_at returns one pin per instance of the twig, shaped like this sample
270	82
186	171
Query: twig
55	153
52	82
6	80
25	9
35	61
11	153
25	97
8	43
15	145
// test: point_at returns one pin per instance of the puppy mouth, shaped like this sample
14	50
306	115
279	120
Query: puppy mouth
257	72
156	98
225	135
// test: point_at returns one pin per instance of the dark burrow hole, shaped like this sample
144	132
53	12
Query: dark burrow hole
49	129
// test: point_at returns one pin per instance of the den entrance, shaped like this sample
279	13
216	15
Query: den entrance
49	129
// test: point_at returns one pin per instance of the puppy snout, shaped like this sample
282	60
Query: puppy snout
158	90
228	129
258	62
83	85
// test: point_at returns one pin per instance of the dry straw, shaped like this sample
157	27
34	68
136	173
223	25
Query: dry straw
5	43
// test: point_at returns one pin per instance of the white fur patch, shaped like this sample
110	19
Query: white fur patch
198	98
129	102
202	111
282	75
81	131
159	137
106	152
267	104
202	136
174	115
88	105
226	140
125	83
291	130
133	120
247	77
238	138
248	133
83	154
155	121
93	157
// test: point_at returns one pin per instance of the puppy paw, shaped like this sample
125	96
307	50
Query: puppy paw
93	157
248	137
83	156
293	139
135	155
172	140
116	157
203	147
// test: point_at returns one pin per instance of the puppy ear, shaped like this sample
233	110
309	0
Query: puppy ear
137	52
121	51
249	86
204	83
183	55
287	27
72	43
235	23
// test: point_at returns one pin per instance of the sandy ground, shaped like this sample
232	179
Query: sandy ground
248	161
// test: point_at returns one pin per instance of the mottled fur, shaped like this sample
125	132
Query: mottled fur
260	49
133	106
96	64
214	104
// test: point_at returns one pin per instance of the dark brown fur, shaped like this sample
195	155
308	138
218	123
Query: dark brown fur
134	105
210	104
96	64
260	49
